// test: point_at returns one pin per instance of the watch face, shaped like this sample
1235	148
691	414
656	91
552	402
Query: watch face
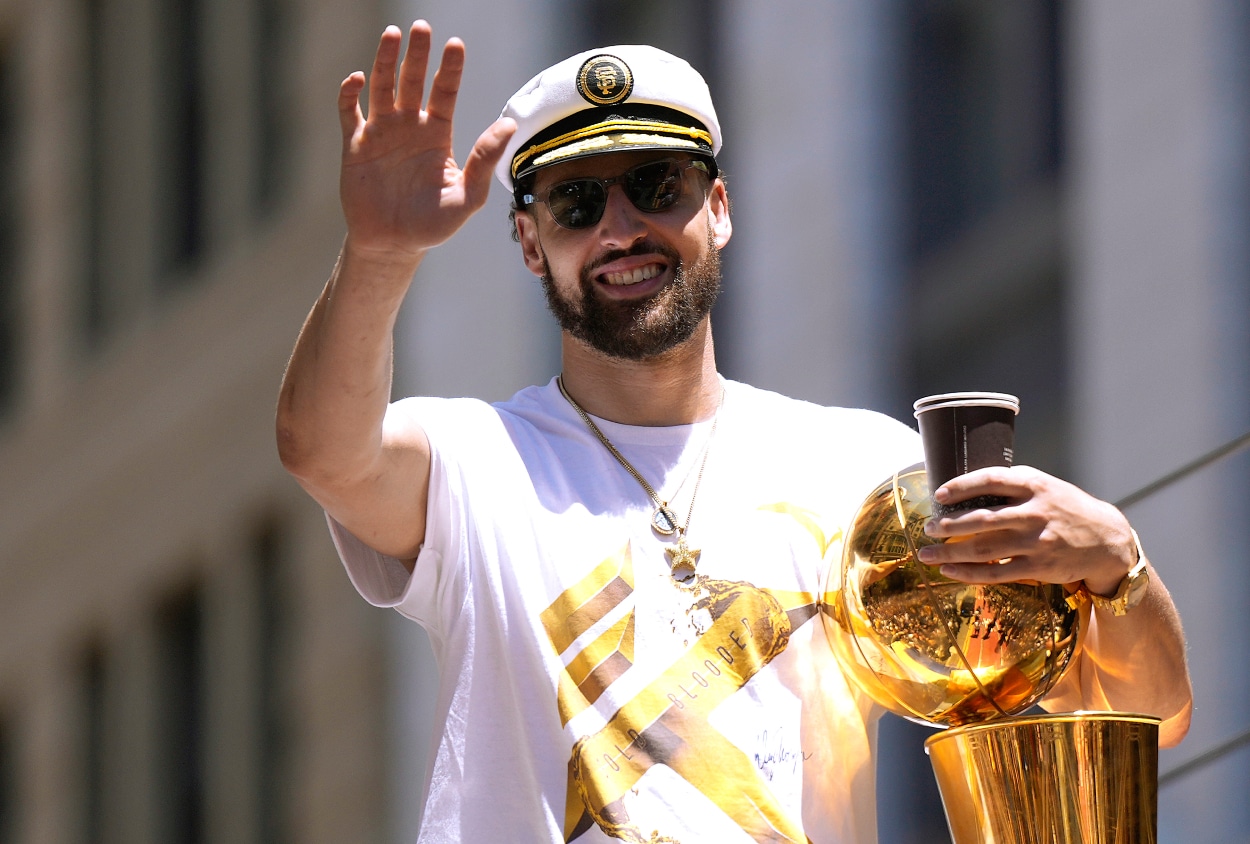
1137	585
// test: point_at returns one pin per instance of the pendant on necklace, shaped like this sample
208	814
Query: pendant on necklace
682	560
664	521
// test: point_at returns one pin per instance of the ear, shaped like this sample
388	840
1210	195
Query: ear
718	214
531	245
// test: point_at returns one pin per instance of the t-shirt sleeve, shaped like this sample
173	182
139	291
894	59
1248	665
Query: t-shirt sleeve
452	426
380	579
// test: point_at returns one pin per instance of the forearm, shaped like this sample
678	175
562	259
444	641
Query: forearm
402	194
1134	663
338	382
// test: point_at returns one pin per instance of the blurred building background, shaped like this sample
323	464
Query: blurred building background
1045	197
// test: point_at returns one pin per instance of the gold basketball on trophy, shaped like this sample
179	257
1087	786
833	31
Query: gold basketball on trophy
930	648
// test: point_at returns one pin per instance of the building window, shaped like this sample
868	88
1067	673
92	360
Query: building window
95	726
180	719
10	236
10	783
273	776
95	308
985	285
181	147
272	98
983	108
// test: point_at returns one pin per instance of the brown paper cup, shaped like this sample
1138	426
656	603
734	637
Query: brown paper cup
962	432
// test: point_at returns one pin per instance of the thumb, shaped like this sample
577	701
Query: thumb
486	152
350	115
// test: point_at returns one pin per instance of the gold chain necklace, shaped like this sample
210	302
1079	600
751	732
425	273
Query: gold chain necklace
681	559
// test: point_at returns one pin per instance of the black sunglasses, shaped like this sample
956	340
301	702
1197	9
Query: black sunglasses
652	187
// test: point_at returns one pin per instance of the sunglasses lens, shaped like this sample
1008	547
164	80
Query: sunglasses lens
577	203
654	186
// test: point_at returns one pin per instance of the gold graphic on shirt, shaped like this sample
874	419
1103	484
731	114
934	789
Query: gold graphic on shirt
592	671
667	723
586	602
579	608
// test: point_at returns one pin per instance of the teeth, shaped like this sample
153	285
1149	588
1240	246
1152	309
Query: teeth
633	276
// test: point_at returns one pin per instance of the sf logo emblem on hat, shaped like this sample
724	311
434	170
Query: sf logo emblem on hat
604	80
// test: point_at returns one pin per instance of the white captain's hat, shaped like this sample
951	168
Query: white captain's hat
609	100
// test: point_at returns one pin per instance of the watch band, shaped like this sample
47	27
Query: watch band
1130	591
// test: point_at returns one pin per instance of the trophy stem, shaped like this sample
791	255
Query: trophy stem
1077	778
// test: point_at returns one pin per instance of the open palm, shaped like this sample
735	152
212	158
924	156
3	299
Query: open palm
401	189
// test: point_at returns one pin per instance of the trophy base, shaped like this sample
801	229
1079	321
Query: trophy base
1076	778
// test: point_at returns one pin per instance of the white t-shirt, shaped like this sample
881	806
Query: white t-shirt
586	695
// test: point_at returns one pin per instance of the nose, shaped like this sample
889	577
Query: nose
622	224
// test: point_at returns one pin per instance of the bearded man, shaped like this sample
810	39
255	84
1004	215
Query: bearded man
619	569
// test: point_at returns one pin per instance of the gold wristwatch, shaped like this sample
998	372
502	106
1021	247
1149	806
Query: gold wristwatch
1132	587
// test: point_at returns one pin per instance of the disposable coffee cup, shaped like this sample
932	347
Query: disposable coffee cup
963	432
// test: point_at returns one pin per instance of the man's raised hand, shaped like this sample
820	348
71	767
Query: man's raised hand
401	189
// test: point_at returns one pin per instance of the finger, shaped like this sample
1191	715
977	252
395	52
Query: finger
446	85
382	78
412	70
350	115
1013	570
480	165
977	549
1008	481
1002	517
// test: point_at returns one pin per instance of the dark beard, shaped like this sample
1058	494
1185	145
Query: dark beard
640	329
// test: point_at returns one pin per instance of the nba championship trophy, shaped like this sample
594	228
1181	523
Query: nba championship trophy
971	657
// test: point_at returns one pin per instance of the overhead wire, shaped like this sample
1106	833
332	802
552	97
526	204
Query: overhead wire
1224	748
1214	456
